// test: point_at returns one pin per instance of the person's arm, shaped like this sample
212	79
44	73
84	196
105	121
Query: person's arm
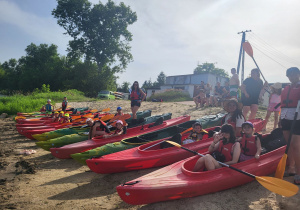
215	143
236	154
143	95
258	147
263	90
243	90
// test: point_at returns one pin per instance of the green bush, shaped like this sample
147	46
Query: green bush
172	95
33	102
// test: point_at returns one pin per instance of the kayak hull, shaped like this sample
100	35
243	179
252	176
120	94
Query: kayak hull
65	151
177	181
139	158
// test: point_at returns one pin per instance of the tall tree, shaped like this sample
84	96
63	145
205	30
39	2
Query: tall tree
210	68
99	32
161	79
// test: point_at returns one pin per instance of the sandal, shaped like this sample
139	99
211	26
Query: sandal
297	179
287	174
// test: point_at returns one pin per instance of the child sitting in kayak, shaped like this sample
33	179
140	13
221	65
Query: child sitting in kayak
196	134
250	144
119	130
223	148
56	117
65	119
119	111
97	128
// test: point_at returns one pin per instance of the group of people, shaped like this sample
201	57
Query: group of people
236	140
205	96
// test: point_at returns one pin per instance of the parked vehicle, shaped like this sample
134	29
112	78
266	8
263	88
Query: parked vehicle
106	94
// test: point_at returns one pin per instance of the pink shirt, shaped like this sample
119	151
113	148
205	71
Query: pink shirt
275	98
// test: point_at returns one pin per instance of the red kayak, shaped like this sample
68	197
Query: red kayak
139	158
178	181
65	151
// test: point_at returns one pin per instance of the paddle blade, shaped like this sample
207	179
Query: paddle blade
247	47
281	167
105	110
278	186
93	111
107	117
183	132
174	143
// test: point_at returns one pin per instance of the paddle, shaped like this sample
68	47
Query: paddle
273	184
122	118
105	110
247	47
107	117
282	163
165	140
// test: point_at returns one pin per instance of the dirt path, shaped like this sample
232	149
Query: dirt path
40	181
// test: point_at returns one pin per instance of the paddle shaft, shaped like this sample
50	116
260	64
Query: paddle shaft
292	128
223	164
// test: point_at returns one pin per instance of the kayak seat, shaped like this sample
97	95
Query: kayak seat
176	138
74	111
159	121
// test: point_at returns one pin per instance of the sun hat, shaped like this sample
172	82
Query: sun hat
67	115
291	70
277	85
119	121
49	100
119	108
247	123
62	112
89	119
55	112
232	100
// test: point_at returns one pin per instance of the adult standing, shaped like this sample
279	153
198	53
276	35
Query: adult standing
218	92
208	89
64	104
289	99
234	83
136	96
252	88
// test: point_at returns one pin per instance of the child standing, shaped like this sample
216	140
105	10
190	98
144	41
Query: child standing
64	104
49	108
250	144
274	100
196	134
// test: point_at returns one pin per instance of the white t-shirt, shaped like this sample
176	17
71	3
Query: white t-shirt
239	120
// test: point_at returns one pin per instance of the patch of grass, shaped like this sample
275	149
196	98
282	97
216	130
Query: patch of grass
33	102
172	96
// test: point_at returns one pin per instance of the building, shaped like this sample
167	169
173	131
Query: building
189	82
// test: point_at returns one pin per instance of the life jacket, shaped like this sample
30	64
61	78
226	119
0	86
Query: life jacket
48	107
64	103
56	119
290	96
194	135
99	128
64	120
248	145
135	95
225	149
230	121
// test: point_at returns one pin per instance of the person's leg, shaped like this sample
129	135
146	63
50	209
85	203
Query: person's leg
296	152
196	101
276	114
290	160
253	110
199	164
134	111
267	119
211	163
246	109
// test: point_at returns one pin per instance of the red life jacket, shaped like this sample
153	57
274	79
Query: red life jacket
290	96
64	103
99	128
225	149
248	145
135	95
230	121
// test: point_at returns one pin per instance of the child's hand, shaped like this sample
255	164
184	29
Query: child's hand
218	137
257	156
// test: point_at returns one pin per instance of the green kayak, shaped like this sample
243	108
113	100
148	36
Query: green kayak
74	138
206	121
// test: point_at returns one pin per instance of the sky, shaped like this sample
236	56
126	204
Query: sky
174	36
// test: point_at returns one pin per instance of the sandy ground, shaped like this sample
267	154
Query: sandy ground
40	181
